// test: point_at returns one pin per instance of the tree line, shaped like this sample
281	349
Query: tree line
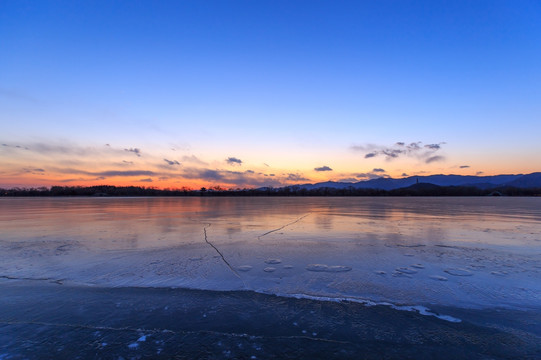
109	190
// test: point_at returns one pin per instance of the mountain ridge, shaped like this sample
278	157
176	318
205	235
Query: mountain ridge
532	180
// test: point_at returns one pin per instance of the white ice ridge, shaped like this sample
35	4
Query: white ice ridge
422	310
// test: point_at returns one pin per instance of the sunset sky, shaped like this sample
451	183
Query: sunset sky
259	93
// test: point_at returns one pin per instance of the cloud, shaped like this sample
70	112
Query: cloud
171	162
323	168
236	178
404	174
296	177
367	176
400	149
434	158
479	173
65	149
136	151
464	166
192	159
233	161
145	180
16	95
107	173
349	180
376	170
34	171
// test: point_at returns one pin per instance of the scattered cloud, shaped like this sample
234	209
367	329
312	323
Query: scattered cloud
376	170
401	149
323	168
171	162
136	151
233	161
145	180
479	173
464	166
405	175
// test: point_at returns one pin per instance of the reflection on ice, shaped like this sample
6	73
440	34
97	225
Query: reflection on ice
468	252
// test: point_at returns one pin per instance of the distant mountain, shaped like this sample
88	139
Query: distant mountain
482	182
527	181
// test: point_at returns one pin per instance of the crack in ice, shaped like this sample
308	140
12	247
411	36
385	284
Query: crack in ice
57	281
220	253
156	330
283	227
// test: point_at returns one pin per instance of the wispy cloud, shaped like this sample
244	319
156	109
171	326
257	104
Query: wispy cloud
17	95
296	177
367	176
192	159
401	149
464	166
108	173
434	158
378	170
171	162
323	168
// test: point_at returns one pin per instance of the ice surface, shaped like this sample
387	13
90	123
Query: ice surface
467	252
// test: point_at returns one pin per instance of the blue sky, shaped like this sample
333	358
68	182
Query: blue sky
284	86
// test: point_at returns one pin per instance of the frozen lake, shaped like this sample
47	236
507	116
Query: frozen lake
476	253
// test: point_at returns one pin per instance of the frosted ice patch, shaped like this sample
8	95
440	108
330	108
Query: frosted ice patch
418	266
273	261
142	338
380	272
269	269
458	272
438	277
244	268
133	345
326	268
317	267
499	273
338	268
406	270
401	274
288	267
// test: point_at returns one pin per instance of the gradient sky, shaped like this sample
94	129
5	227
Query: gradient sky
252	93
